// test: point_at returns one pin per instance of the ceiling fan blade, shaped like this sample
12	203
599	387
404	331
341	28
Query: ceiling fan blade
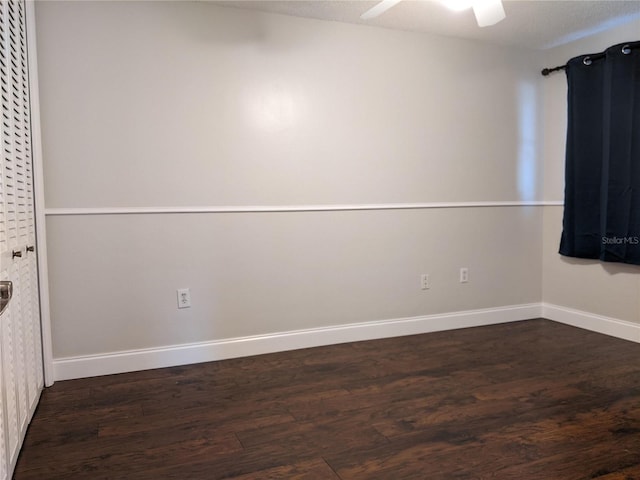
488	12
379	9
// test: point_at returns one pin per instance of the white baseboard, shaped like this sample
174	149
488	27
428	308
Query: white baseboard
173	355
590	321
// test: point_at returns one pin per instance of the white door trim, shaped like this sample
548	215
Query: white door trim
38	172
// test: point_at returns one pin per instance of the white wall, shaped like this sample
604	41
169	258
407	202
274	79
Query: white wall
254	274
161	104
193	104
607	289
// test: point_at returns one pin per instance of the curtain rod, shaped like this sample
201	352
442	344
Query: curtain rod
547	71
586	60
626	49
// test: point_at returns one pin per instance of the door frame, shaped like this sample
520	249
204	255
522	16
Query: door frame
39	200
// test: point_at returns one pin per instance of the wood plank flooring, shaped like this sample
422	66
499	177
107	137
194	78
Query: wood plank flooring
528	400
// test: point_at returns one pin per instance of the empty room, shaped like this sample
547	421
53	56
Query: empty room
335	240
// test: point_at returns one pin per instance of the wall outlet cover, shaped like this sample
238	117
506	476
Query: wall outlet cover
184	298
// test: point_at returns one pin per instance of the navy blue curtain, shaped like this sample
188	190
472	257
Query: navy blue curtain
602	175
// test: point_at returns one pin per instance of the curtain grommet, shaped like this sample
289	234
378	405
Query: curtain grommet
626	49
587	61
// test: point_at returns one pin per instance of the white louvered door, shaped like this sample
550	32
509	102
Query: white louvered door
21	375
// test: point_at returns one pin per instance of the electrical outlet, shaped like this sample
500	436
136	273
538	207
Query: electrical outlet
425	282
464	275
184	298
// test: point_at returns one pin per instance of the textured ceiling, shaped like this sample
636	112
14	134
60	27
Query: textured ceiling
536	24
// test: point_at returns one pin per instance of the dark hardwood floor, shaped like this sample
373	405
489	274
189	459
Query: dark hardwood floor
528	400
